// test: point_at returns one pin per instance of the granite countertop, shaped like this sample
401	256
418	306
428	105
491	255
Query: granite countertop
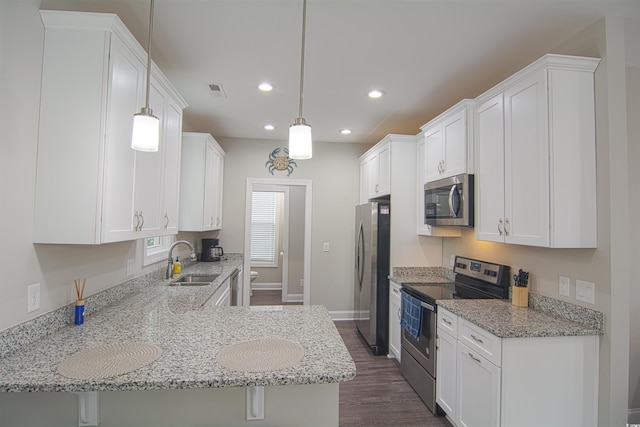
190	335
422	275
506	320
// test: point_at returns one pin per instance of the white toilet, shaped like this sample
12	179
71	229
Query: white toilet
254	276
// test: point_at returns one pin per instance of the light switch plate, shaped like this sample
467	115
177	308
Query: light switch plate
585	291
325	247
564	286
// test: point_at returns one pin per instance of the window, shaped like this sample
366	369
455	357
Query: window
156	248
265	229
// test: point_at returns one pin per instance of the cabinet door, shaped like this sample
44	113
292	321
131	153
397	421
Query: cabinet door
527	162
433	154
126	91
219	173
374	171
394	320
171	176
148	173
446	384
210	199
422	228
454	133
364	181
489	178
384	171
478	390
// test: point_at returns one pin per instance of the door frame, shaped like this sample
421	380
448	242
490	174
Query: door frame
307	184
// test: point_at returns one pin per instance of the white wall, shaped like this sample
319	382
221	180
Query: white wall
633	122
334	172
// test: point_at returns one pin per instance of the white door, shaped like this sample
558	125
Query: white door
171	176
446	385
478	390
455	145
526	163
433	154
489	178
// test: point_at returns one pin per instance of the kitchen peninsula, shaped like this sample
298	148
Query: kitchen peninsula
186	384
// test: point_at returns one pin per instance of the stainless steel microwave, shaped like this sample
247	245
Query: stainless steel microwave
449	201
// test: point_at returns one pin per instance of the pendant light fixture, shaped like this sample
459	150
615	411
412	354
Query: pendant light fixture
146	126
300	146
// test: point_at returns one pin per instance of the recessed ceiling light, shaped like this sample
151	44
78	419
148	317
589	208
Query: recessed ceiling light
375	93
265	87
269	127
345	131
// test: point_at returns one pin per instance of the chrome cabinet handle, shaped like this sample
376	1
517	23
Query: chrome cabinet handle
500	227
447	321
399	313
136	215
477	339
394	290
474	358
142	221
507	227
166	220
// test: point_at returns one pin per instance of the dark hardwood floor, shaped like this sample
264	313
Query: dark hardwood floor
379	395
265	297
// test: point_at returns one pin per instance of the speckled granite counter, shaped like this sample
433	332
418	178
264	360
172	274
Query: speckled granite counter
190	336
435	275
505	320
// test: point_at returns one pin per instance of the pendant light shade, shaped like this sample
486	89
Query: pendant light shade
146	131
300	145
146	126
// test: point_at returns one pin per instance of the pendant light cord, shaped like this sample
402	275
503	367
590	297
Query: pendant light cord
149	55
304	25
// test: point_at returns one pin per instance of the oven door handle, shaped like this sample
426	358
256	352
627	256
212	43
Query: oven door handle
427	306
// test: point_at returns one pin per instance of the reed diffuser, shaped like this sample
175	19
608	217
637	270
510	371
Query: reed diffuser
79	318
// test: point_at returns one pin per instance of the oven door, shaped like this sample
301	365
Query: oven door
423	348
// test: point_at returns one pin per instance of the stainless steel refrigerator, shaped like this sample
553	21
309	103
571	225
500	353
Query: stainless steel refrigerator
371	278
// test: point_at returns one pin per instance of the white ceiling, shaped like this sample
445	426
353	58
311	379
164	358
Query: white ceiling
425	54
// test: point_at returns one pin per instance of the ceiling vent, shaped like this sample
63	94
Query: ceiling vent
217	90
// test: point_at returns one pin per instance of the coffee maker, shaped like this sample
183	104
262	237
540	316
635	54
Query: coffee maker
210	250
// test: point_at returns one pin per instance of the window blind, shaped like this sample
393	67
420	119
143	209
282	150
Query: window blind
263	228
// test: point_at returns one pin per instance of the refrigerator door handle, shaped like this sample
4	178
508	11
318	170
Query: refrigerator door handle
360	256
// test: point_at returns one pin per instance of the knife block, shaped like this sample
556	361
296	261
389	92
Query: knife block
520	296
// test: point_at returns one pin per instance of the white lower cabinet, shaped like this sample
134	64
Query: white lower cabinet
395	311
221	297
484	380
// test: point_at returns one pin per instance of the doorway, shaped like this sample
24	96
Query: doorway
292	258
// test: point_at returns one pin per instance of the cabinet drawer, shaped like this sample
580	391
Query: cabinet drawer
481	341
447	322
394	290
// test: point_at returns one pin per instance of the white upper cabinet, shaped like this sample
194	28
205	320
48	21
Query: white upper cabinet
375	168
448	142
91	187
422	228
535	163
201	183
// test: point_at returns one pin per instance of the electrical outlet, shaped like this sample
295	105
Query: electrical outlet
33	297
131	266
302	283
564	286
325	247
585	291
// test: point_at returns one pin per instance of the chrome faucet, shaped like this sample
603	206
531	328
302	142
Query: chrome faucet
170	266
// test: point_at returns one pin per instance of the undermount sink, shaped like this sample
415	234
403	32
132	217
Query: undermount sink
194	280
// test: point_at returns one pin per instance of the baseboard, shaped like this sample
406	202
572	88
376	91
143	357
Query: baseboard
633	416
342	315
266	286
295	298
